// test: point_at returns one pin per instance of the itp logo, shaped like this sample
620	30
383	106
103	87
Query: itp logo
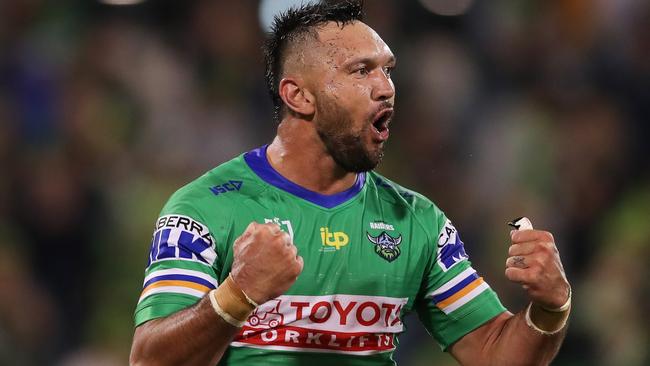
333	241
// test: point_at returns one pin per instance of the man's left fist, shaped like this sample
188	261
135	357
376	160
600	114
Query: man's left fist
534	262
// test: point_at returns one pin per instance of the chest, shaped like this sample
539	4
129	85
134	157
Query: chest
367	247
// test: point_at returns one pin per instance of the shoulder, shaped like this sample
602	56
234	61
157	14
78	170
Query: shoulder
419	205
390	191
217	190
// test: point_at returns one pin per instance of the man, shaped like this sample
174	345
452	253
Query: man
225	283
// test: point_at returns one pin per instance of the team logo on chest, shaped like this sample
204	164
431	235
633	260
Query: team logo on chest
386	246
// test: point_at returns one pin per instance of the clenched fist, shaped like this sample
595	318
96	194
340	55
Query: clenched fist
265	262
535	263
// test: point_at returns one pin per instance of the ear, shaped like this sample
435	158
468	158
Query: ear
296	97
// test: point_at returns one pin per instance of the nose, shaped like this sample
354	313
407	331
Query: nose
383	88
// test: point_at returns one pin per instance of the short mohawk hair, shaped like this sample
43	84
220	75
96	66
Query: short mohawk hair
291	26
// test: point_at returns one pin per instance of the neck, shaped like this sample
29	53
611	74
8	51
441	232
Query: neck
299	155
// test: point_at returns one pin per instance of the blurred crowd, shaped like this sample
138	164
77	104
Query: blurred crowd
512	108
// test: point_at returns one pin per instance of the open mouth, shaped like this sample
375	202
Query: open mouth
381	121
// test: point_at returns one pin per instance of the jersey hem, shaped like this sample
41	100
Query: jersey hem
157	310
472	321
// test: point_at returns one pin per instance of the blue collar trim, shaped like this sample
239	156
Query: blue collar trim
259	163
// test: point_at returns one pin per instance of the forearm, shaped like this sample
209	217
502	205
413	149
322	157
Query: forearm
510	340
507	340
516	343
265	261
193	336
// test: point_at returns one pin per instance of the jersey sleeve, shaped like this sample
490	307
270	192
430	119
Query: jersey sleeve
181	265
455	299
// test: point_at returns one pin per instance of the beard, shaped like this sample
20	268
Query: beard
343	143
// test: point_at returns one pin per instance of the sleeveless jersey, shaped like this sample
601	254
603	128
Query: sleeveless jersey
372	254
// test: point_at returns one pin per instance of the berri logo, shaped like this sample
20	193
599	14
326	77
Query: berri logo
386	246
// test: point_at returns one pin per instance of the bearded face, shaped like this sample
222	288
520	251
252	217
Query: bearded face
345	139
346	75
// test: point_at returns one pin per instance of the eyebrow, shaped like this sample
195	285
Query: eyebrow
370	60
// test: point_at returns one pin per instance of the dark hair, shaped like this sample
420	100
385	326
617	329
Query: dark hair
292	26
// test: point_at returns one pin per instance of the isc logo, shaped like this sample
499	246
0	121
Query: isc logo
231	185
333	240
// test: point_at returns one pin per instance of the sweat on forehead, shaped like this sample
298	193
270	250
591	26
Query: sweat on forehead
332	40
312	41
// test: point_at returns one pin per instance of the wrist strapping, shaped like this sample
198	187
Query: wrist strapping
231	303
534	327
562	308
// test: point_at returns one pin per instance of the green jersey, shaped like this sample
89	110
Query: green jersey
372	254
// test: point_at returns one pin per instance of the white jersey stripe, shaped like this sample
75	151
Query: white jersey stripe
453	282
313	350
173	290
178	271
467	298
179	259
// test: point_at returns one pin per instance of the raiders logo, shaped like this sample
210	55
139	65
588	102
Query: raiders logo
386	246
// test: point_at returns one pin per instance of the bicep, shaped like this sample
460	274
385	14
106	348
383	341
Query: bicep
140	335
144	330
474	347
181	266
455	299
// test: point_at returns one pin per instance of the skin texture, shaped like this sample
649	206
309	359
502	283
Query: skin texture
533	262
332	101
265	265
260	247
334	90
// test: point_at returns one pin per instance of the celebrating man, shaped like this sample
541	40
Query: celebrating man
297	253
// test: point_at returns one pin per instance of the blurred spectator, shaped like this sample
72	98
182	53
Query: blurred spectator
511	108
58	214
616	289
28	323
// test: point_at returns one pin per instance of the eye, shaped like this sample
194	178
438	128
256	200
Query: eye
388	70
361	70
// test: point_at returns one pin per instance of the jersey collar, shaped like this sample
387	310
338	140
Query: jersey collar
259	163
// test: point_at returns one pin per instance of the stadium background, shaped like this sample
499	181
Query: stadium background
504	108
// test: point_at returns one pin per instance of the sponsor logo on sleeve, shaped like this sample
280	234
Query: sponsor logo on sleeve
451	249
181	237
349	324
229	186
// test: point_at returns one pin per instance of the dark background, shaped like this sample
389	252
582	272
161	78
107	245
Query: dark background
504	108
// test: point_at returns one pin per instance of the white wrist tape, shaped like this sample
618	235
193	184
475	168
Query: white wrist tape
222	313
534	327
562	308
250	301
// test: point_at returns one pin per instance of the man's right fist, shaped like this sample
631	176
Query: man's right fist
265	262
